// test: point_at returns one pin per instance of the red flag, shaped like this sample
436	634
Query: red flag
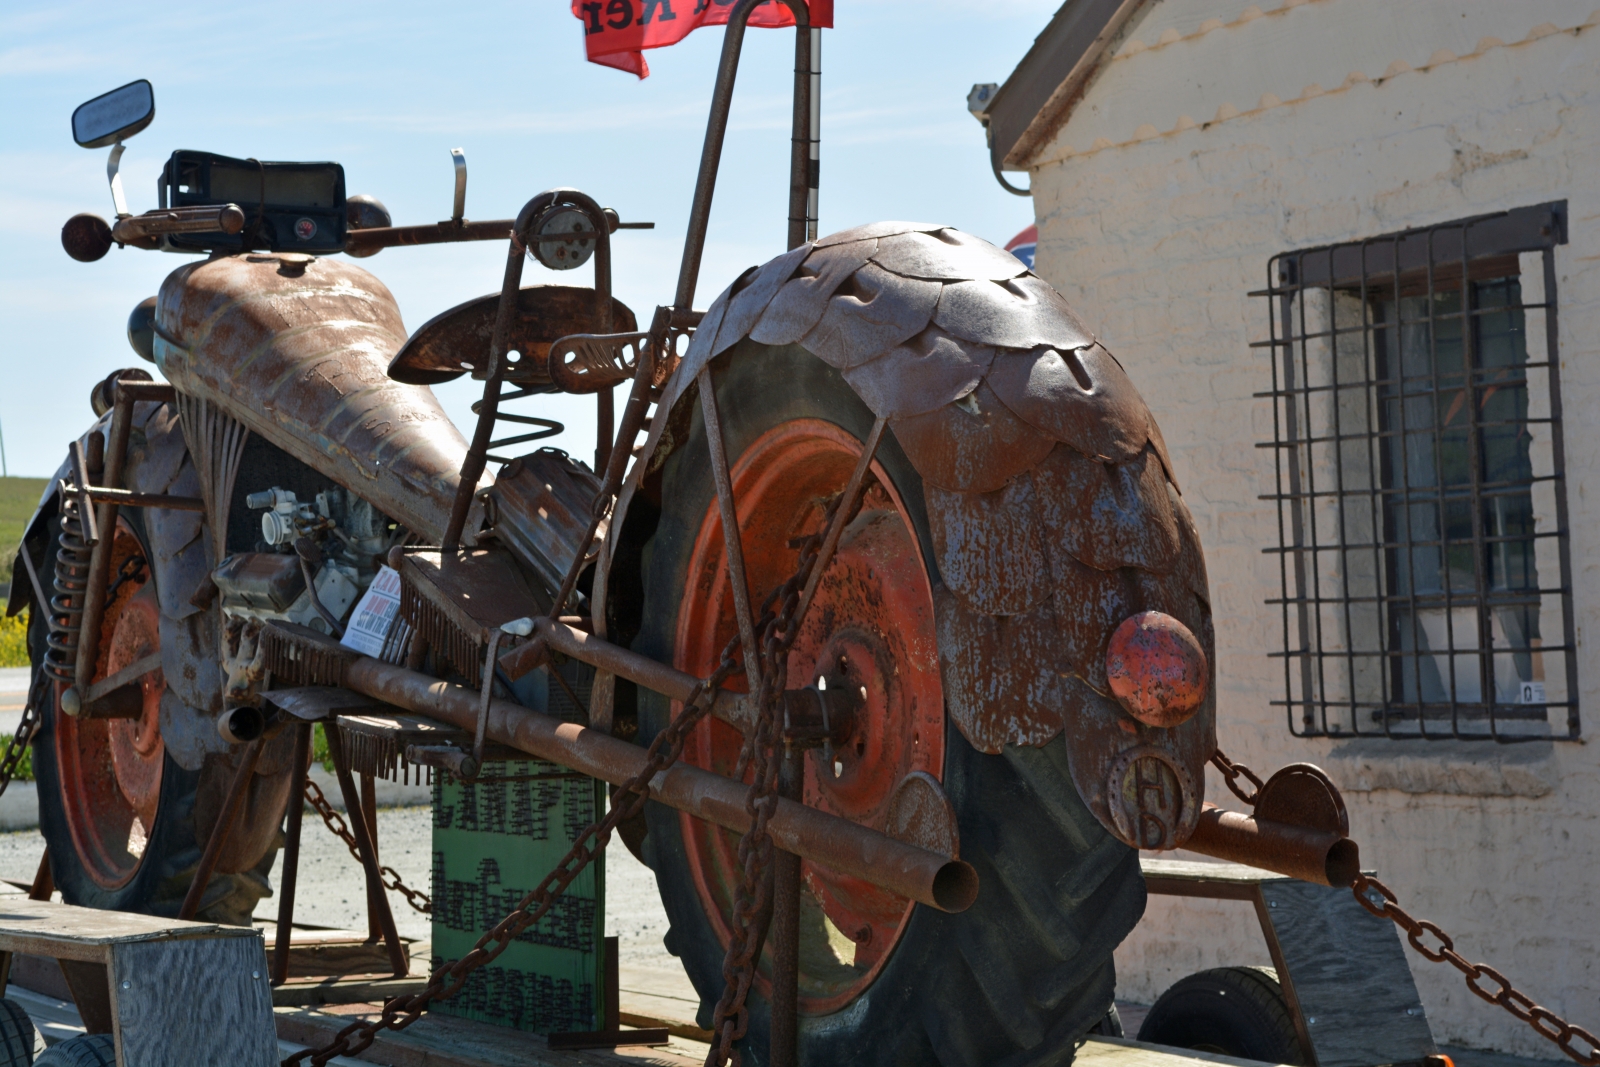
616	32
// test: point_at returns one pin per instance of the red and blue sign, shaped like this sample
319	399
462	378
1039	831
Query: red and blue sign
1024	244
616	32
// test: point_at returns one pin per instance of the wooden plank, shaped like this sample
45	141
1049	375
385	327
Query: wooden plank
1125	1052
1349	976
314	992
181	1003
69	932
1195	870
444	1041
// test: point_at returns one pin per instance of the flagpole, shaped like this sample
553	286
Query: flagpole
813	172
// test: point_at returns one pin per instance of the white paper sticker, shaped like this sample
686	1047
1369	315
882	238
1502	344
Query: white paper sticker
1532	693
374	615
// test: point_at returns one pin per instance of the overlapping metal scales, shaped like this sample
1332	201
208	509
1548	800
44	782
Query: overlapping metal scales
1050	494
297	349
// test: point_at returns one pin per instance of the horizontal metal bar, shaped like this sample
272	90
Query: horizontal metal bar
1316	856
131	499
858	851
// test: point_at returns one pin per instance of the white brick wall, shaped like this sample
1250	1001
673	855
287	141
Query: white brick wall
1156	240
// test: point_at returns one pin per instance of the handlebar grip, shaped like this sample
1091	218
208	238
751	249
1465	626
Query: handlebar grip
228	218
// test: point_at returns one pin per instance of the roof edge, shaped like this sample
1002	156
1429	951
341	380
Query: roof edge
1041	93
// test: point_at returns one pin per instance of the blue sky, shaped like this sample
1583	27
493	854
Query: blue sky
387	89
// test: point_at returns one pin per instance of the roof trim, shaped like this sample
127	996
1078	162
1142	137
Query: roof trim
1038	97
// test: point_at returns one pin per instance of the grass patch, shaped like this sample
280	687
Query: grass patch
18	498
24	771
14	640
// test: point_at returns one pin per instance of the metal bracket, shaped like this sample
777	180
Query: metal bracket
459	212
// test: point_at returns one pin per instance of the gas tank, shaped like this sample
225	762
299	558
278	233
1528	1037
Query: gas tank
296	348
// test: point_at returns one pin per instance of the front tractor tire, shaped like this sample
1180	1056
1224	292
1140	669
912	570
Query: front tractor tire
124	822
1027	970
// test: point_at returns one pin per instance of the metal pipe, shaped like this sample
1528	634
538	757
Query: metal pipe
904	869
602	654
291	853
814	162
705	182
1311	855
800	133
224	826
128	498
428	233
732	542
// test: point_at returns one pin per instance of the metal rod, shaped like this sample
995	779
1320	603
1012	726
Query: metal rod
109	497
94	597
428	233
224	826
44	882
605	419
858	851
478	451
291	853
785	931
369	811
847	504
814	162
733	543
1311	855
800	136
705	182
369	859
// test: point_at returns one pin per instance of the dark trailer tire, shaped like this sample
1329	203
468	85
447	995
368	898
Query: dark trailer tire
1230	1011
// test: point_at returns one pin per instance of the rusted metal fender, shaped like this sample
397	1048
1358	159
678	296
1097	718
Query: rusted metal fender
1051	498
297	348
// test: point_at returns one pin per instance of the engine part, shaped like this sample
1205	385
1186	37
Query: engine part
563	239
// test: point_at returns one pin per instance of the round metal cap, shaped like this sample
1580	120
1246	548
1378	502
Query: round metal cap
1156	668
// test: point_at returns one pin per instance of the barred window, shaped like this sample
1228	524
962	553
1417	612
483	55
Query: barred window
1422	555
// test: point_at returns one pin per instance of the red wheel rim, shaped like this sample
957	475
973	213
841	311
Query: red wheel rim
110	769
871	626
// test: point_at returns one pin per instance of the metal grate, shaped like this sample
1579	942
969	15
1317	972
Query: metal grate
1423	558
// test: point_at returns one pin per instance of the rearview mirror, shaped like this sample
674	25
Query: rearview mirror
114	116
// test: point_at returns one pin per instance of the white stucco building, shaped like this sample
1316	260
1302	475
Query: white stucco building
1267	213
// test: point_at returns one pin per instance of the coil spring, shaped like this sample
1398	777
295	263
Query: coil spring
66	607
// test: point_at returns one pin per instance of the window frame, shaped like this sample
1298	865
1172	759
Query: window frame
1456	256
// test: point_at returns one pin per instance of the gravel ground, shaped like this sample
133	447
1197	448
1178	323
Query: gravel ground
331	889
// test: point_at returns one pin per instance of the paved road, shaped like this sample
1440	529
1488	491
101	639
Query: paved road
331	889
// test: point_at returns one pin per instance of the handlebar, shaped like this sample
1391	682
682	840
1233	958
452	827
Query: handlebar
229	219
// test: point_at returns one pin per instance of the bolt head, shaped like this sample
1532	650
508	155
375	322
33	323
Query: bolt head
126	984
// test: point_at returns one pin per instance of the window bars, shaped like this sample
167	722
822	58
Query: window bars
1423	558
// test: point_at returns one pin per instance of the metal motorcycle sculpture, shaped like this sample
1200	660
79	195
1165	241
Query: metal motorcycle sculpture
986	660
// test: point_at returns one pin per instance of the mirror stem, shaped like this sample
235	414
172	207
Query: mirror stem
115	178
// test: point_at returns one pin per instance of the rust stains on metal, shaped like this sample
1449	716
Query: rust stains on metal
456	342
1156	669
306	344
1051	498
908	870
1318	856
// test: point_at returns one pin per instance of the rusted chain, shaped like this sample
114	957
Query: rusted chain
341	830
1547	1023
20	740
1232	772
776	633
400	1012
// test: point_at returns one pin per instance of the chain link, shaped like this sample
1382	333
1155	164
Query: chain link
1232	772
1387	906
400	1012
389	876
1547	1023
20	740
